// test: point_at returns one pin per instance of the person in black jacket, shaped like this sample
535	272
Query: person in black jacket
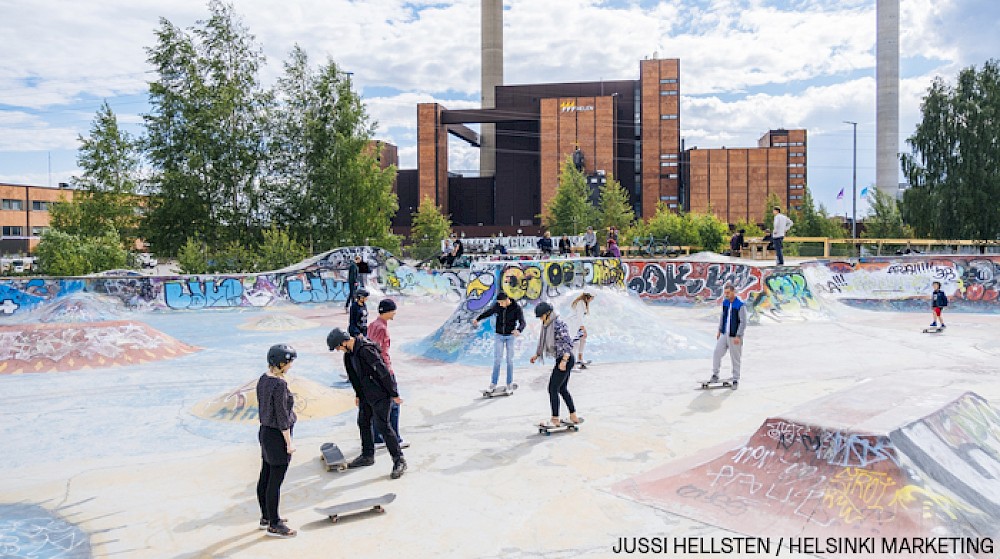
352	280
358	322
565	246
545	245
374	393
938	302
276	411
510	323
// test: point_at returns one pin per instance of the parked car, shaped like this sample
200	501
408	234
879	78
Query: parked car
146	260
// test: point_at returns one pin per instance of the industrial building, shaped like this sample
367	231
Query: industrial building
24	214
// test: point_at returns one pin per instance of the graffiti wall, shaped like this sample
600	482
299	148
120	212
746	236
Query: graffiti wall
972	283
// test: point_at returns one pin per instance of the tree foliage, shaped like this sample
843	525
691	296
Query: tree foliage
954	167
614	206
62	254
705	231
570	210
812	222
429	227
884	221
106	196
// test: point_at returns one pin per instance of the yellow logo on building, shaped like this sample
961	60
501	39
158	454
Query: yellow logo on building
570	106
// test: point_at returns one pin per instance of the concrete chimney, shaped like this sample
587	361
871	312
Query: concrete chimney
492	76
887	96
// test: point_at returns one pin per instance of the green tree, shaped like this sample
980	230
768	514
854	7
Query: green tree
772	201
751	228
106	196
884	221
205	133
192	257
429	227
570	209
678	228
810	222
713	233
330	188
63	254
954	167
614	207
277	250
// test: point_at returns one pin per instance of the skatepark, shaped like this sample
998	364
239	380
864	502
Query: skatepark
130	424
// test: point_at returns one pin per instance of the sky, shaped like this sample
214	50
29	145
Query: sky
747	66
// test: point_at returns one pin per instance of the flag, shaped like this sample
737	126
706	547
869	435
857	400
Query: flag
840	196
864	192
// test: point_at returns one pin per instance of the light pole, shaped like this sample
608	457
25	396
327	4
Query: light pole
854	184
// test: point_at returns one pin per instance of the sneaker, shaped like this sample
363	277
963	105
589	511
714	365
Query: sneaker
933	324
714	379
281	531
404	444
943	326
264	523
583	365
398	468
735	384
361	461
492	387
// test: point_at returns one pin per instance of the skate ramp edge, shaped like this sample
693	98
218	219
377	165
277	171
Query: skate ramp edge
935	475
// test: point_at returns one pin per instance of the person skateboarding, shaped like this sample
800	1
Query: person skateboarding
276	412
938	302
554	341
378	332
374	393
581	311
358	321
729	336
509	325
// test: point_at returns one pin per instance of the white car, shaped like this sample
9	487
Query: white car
146	260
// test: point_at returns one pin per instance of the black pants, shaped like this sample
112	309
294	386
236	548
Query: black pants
269	491
557	387
350	295
376	414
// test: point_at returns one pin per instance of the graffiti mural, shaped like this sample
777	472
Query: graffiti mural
785	296
32	531
691	282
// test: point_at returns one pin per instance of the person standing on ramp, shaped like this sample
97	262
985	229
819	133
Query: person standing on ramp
374	393
729	336
554	340
276	411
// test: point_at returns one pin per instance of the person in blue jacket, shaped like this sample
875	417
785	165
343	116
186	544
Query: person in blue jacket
938	302
358	322
732	324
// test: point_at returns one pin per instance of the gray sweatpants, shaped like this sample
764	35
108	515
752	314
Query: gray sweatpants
724	344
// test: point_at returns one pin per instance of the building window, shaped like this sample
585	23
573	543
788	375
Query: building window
669	92
668	117
9	204
796	143
668	156
780	144
668	80
40	206
672	176
672	206
12	230
37	231
796	154
796	164
796	176
668	198
668	163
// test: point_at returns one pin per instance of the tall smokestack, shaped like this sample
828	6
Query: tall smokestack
492	30
887	96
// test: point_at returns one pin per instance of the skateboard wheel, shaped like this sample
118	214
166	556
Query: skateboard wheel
333	519
341	467
379	509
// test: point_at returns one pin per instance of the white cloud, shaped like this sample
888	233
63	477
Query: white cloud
26	132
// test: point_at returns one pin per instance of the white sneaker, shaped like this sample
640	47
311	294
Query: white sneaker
492	387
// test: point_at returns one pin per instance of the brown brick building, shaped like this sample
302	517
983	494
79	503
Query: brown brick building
24	214
628	128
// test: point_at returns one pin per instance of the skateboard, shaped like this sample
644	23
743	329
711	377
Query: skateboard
933	330
375	504
547	428
709	385
500	391
332	457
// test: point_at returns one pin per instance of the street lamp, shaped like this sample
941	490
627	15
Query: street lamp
854	184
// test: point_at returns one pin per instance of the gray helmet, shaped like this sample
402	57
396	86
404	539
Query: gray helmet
280	354
335	338
542	309
362	292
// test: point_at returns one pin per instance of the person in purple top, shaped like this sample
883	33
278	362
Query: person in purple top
554	340
276	406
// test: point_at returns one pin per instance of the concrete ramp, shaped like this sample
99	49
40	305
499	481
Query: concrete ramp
874	460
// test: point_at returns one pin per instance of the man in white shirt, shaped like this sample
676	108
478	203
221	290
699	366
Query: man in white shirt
781	226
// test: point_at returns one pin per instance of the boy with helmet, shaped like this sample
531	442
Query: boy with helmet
358	322
374	393
277	419
554	340
378	332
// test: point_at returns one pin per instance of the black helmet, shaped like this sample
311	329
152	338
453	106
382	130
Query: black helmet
362	292
542	309
335	338
386	305
280	354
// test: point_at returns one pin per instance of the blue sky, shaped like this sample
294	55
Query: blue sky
746	65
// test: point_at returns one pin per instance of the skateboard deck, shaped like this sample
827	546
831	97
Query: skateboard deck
933	330
547	428
332	457
708	385
375	504
499	391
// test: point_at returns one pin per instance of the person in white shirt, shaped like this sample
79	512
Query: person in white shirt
781	226
577	321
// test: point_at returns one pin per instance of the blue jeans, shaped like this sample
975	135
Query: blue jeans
393	420
779	247
503	342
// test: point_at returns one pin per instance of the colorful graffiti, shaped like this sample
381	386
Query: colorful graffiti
690	282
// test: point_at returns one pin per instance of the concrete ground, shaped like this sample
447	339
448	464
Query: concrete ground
118	453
